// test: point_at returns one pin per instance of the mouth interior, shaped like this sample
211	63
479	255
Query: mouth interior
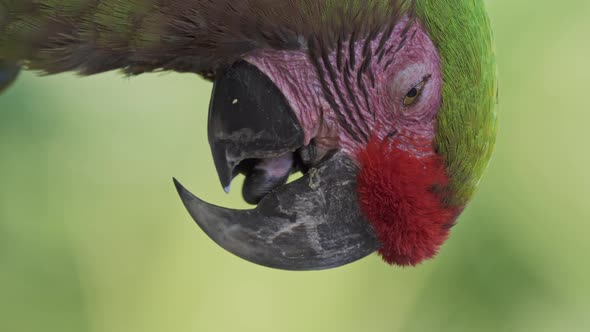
264	175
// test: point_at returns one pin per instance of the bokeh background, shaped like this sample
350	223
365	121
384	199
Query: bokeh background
93	236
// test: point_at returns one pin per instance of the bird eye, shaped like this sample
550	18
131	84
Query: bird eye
414	94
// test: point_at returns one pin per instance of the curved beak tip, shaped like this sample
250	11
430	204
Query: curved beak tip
177	185
182	191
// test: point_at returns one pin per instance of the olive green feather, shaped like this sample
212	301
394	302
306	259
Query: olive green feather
467	121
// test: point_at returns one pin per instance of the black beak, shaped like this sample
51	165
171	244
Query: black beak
249	118
310	224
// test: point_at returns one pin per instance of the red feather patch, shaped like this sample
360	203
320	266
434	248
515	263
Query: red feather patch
397	195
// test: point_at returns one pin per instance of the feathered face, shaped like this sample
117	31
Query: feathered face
372	101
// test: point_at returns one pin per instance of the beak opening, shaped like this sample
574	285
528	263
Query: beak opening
312	223
249	118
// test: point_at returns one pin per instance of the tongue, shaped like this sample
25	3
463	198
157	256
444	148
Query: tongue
266	175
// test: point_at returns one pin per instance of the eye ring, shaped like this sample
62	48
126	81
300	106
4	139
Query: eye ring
415	92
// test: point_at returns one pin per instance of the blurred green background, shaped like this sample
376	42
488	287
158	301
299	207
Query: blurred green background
94	238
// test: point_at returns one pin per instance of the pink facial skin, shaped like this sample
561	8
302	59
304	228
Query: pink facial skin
379	103
369	97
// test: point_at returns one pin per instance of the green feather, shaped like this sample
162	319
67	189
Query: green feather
467	121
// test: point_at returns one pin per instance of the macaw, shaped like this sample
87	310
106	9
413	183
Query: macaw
386	107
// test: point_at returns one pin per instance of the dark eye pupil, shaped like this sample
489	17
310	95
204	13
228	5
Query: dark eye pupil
413	93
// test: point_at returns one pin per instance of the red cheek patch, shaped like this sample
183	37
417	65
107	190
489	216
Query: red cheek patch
396	193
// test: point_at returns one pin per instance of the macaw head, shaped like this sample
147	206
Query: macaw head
389	117
385	106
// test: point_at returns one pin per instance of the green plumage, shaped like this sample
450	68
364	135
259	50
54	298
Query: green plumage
467	121
92	36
